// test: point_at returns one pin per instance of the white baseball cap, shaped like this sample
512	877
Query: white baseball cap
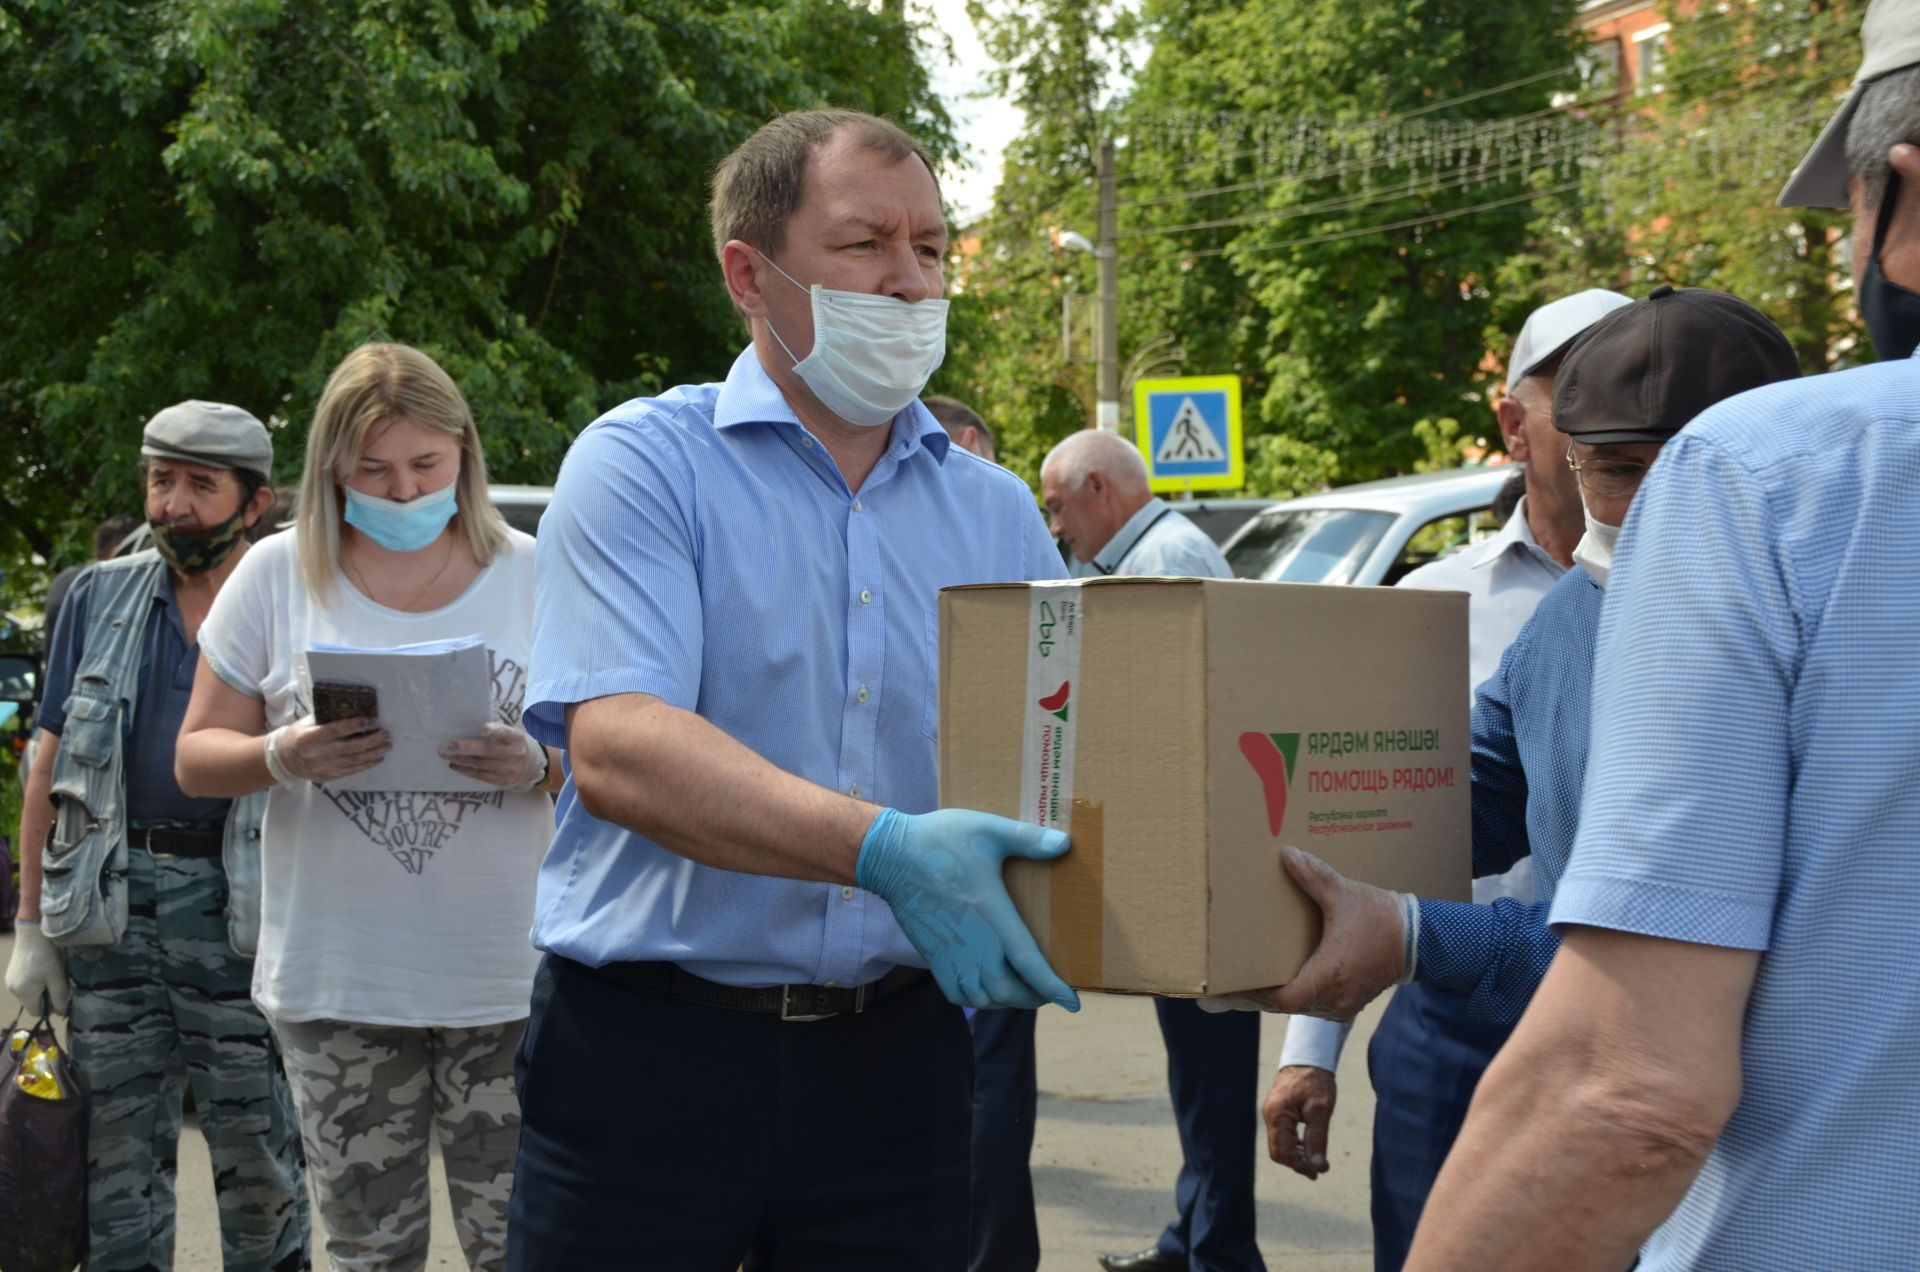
1553	326
1889	41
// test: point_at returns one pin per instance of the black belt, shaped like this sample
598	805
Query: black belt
174	841
789	1002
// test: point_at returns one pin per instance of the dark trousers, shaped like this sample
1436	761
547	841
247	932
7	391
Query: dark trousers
1213	1074
1426	1057
1005	1236
677	1137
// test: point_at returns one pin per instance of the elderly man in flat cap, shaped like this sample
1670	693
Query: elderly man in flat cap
140	905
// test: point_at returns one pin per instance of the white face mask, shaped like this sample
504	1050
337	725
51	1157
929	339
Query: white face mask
1594	552
871	354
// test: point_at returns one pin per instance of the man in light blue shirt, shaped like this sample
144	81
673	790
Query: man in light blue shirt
734	1051
1721	1062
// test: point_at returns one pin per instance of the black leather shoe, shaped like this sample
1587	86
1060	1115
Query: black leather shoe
1147	1260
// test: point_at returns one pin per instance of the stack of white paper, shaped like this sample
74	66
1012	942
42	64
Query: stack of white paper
428	695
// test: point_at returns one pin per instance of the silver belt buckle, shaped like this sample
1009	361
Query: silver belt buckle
787	1012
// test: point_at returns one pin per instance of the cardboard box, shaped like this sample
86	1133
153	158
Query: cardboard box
1182	730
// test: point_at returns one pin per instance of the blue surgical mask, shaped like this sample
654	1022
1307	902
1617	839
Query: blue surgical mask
402	527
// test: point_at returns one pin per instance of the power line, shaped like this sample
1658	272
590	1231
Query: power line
1360	230
1344	168
1489	127
1492	172
1487	174
1387	121
1644	168
1359	126
1474	130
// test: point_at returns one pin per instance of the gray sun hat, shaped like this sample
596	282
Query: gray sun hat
1889	41
210	433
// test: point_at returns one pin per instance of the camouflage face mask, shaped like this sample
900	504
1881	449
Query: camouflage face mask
197	549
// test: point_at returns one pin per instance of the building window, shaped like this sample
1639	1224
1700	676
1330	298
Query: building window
1599	67
1650	59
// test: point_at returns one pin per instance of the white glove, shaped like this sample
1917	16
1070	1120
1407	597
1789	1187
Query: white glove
502	756
307	752
37	967
1369	942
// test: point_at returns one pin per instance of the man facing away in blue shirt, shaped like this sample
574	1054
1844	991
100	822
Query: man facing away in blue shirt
1719	1071
736	1050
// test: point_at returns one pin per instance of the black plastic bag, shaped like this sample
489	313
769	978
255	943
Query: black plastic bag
43	1154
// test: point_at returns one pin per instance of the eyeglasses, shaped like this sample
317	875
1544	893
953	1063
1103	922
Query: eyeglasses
1607	476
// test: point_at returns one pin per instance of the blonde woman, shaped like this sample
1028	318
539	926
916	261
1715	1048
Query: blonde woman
394	963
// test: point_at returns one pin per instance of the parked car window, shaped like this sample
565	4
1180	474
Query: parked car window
1308	545
1439	537
1219	518
524	517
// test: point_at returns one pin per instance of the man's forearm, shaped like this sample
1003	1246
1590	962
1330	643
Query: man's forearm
36	819
1592	1122
672	776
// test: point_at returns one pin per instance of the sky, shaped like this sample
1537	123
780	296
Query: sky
984	126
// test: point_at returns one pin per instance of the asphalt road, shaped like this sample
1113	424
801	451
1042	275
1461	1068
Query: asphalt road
1104	1157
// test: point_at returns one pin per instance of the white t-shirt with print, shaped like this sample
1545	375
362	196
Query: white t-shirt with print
386	907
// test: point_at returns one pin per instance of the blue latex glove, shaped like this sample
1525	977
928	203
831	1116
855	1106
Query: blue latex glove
941	874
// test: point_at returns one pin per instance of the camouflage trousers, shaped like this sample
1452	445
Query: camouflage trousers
369	1098
167	1008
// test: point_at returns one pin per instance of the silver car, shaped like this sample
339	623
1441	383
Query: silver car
522	506
1372	532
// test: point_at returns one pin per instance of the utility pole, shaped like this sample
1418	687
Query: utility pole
1106	252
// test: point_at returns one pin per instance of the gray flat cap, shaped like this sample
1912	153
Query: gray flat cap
210	433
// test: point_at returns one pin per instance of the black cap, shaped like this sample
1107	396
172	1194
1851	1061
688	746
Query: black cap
1646	369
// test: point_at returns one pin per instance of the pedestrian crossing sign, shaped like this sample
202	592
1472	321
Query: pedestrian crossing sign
1188	430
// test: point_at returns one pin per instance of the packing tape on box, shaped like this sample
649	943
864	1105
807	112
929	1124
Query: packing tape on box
1055	625
1075	901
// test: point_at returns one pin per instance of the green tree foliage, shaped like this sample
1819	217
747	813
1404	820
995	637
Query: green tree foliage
219	198
1302	199
1361	117
1005	334
1685	192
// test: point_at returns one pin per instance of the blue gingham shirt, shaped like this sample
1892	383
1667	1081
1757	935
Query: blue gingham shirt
702	547
1529	769
1755	784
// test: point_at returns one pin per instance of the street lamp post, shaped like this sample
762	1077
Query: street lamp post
1106	253
1108	410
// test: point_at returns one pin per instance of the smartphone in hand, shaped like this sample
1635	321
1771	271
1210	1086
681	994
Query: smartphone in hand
341	700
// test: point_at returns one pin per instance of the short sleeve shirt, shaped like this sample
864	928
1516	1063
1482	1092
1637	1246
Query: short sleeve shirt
401	907
1754	783
702	547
